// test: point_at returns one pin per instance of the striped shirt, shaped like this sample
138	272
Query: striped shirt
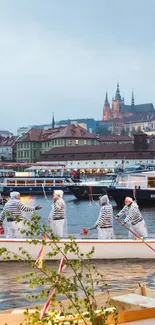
13	209
58	209
105	219
132	213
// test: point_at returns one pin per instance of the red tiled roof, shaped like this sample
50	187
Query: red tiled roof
113	138
50	133
7	141
31	135
121	147
106	151
69	131
73	131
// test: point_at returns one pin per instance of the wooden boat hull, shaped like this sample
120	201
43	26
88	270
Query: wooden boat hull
104	249
129	313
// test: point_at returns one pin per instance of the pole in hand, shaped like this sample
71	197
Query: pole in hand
137	236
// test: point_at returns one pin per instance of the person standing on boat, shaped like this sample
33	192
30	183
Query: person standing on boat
12	213
74	175
133	217
104	223
57	217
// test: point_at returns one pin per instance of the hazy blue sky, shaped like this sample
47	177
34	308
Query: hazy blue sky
62	55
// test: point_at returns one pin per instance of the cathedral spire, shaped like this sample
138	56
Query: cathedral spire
106	99
106	108
53	122
118	96
132	100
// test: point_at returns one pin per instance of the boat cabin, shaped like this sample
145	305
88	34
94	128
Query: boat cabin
7	173
32	182
139	180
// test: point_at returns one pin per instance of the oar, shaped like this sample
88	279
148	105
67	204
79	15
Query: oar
138	237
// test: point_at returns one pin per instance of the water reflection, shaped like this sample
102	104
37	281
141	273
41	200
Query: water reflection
119	275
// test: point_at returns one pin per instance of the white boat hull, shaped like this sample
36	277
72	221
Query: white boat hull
104	249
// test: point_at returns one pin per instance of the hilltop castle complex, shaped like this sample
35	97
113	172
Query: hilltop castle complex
120	110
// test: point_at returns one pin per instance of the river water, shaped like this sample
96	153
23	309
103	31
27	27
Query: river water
119	275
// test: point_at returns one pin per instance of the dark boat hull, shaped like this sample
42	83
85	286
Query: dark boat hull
33	190
143	196
85	192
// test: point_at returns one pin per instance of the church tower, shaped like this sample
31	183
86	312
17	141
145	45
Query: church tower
106	109
117	104
132	100
53	122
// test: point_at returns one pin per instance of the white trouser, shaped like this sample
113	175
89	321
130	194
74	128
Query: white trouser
58	227
140	229
105	233
13	229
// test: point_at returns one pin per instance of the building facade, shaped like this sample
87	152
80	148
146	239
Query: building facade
141	122
37	141
108	156
7	148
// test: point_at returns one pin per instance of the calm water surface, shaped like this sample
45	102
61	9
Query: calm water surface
119	275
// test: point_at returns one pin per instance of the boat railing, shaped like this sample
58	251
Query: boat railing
16	182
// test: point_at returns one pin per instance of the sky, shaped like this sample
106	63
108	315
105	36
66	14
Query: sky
62	56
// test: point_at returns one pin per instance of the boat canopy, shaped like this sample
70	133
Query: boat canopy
39	168
132	180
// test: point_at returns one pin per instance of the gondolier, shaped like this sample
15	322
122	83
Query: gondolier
134	217
57	217
104	223
12	212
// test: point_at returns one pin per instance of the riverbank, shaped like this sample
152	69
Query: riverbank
130	310
16	316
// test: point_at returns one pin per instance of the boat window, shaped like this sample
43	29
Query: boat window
137	180
58	182
30	182
131	181
39	182
20	183
10	183
122	181
48	182
151	181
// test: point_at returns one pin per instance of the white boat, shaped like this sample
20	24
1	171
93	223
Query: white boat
104	249
139	186
34	185
37	180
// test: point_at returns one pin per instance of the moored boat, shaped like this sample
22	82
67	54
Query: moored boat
34	185
139	186
36	179
104	249
92	190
